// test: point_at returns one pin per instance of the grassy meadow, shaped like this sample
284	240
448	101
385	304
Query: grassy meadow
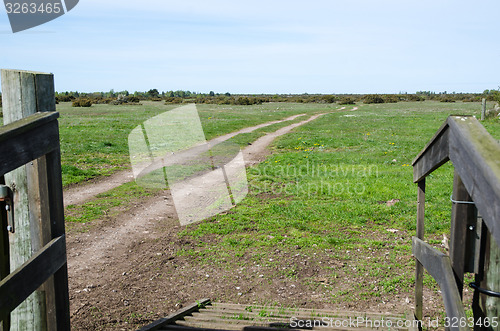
339	187
94	140
342	186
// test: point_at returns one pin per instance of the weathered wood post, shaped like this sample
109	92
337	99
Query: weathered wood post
419	270
25	93
4	257
486	306
483	109
463	217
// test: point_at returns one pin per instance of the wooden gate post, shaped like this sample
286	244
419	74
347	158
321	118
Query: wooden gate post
25	93
4	257
463	216
488	306
419	270
483	109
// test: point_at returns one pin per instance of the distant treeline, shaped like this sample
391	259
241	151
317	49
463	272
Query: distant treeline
80	99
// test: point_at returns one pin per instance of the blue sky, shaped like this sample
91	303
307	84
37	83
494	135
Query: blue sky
351	46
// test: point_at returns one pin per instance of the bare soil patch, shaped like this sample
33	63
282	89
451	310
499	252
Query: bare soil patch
129	270
125	271
78	194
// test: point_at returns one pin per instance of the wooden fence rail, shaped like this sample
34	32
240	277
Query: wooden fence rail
16	149
473	241
33	269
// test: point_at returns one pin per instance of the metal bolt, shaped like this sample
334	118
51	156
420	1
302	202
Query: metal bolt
472	227
7	207
9	228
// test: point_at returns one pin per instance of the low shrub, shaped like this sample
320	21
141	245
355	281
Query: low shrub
82	103
65	98
329	98
173	100
346	101
447	99
390	98
373	98
472	99
414	97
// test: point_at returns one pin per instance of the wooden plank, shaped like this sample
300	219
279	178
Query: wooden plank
16	128
478	299
18	95
439	266
188	328
476	157
421	209
19	90
309	311
27	93
38	207
474	251
176	316
205	325
28	146
58	313
45	94
490	306
16	287
272	314
419	269
243	318
461	216
4	258
434	155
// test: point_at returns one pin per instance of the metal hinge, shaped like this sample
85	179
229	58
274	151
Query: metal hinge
6	195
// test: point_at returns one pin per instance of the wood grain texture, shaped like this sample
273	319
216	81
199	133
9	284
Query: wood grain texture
176	316
58	313
4	258
439	266
476	158
31	133
434	155
490	306
461	216
27	146
419	269
20	92
16	287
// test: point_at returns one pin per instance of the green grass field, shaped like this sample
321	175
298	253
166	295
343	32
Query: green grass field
346	162
326	187
94	140
324	190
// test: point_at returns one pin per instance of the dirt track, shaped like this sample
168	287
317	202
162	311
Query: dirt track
78	194
105	284
142	219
